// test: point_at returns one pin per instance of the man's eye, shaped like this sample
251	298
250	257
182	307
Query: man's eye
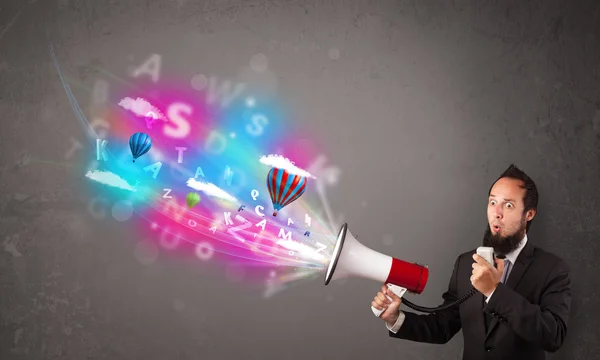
509	205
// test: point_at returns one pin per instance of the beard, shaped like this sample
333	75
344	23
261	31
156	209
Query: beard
504	244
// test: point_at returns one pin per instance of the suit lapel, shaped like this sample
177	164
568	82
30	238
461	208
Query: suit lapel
515	276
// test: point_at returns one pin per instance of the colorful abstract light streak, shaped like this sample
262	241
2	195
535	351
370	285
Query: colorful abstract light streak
198	137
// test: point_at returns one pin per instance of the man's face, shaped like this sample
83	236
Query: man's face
506	218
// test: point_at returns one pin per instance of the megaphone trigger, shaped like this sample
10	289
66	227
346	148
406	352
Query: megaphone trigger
398	290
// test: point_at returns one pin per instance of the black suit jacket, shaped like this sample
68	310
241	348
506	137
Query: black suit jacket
530	312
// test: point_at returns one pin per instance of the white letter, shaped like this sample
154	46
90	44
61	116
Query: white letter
258	212
228	175
307	219
258	121
171	207
76	145
330	174
101	150
321	247
151	66
246	224
254	194
204	250
262	224
155	168
198	172
91	208
180	151
97	122
228	218
211	138
100	91
169	244
283	235
213	93
167	192
150	119
174	113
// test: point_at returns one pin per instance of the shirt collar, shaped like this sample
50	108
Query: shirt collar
513	255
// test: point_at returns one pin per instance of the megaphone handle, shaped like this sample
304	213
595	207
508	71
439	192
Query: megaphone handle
399	291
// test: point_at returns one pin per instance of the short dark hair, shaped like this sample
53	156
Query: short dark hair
530	200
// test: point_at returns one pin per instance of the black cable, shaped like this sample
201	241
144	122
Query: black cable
464	298
461	300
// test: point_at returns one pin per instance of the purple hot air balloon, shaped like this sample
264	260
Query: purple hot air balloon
284	187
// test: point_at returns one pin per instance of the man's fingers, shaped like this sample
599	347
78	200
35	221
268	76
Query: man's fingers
481	261
391	294
500	264
376	305
383	298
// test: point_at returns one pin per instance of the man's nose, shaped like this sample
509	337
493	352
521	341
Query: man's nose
498	214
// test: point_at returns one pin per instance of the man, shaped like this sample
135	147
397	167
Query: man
516	316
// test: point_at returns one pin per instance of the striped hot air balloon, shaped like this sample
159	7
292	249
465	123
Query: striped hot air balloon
284	187
139	144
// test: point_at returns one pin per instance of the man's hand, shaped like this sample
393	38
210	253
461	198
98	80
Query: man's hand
390	315
485	277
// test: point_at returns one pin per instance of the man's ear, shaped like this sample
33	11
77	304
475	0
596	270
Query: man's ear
530	214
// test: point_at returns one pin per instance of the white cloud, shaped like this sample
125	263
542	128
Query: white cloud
109	178
210	189
281	162
141	107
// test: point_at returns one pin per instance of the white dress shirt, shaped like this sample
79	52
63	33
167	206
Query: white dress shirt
512	256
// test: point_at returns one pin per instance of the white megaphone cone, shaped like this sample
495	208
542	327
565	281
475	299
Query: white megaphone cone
350	258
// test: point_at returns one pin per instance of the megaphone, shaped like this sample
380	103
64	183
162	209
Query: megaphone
350	258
